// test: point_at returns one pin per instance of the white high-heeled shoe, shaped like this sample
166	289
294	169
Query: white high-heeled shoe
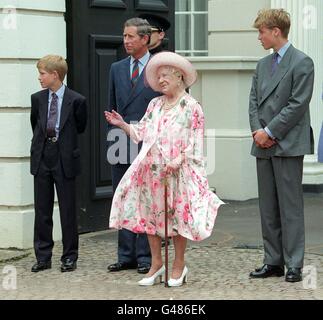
150	281
179	282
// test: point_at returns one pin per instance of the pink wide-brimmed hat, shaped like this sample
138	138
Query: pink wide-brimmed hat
172	59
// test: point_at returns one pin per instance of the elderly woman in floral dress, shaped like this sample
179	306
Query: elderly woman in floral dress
172	132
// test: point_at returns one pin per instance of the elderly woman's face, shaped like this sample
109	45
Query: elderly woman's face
169	82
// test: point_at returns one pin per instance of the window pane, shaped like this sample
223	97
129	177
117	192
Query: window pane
183	5
199	54
183	34
200	5
200	32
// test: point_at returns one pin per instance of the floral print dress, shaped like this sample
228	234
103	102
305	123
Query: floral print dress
174	136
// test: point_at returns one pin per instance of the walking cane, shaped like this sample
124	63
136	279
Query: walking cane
166	235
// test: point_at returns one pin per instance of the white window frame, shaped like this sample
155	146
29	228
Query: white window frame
192	13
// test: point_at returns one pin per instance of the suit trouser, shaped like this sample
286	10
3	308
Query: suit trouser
282	210
51	173
132	247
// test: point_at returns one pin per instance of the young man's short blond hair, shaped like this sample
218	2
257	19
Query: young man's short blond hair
271	18
51	63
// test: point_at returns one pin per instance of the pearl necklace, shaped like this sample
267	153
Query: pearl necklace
168	106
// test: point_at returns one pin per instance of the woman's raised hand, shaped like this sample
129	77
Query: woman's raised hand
114	118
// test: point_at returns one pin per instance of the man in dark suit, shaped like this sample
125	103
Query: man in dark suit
159	26
279	116
58	114
129	96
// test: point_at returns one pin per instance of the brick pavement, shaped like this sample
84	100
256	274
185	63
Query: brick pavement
216	271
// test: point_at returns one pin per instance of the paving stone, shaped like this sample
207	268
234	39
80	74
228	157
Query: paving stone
215	272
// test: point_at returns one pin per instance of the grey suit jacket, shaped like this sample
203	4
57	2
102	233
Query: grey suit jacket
130	103
282	103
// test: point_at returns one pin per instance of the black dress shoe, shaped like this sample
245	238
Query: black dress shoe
121	266
41	265
143	267
68	265
293	275
268	271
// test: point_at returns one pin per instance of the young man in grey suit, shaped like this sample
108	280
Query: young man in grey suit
280	123
129	96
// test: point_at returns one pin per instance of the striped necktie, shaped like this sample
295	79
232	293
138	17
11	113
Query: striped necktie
52	118
135	72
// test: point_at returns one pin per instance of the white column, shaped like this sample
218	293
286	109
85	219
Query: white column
306	35
28	30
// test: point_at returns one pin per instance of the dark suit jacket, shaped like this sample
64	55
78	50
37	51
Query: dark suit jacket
130	103
282	103
72	121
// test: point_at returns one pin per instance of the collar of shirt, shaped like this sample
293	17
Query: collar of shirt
281	52
142	61
60	92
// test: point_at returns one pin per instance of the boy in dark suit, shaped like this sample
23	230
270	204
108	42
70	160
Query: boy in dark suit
58	115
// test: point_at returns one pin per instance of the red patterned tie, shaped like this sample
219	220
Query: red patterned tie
135	73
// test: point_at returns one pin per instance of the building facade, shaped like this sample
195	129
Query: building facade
224	85
28	30
220	42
